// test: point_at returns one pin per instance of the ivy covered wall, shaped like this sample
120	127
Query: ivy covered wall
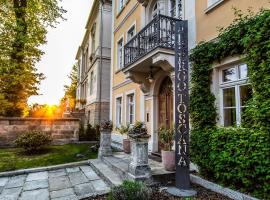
238	157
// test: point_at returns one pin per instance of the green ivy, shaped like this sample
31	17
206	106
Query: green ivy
237	157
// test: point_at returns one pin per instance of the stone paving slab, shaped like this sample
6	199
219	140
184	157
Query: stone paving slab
41	194
72	183
16	181
59	183
57	173
37	176
34	185
77	178
62	193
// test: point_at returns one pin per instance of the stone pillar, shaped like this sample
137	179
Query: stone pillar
138	167
105	148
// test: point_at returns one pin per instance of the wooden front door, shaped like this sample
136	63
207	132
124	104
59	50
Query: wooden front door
165	105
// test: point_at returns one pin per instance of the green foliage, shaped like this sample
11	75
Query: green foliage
23	29
123	129
138	128
107	125
238	157
166	137
130	190
69	99
13	158
33	141
91	133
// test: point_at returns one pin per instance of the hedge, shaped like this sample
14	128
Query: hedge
238	157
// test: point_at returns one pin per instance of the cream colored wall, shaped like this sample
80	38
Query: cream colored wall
120	30
221	16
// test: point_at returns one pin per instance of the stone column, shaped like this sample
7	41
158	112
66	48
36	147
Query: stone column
105	148
138	167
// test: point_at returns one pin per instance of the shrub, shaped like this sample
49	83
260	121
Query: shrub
236	157
166	137
90	133
33	141
81	132
107	125
130	190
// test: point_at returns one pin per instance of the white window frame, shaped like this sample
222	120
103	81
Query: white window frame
135	32
117	123
120	65
91	82
230	84
212	2
127	94
120	4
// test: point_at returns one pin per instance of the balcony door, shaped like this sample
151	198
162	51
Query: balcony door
165	106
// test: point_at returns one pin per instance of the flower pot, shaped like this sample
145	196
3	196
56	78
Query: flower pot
168	160
126	145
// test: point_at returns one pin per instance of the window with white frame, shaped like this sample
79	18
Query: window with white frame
120	53
212	2
118	120
130	109
235	92
93	41
91	82
130	33
120	5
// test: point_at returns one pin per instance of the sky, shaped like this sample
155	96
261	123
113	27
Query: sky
60	51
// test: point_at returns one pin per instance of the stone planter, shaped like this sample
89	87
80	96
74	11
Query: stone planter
105	148
126	145
168	160
139	168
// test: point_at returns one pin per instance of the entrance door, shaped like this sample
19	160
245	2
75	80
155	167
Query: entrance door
165	106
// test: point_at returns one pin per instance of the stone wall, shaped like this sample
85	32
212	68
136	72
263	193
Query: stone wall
62	130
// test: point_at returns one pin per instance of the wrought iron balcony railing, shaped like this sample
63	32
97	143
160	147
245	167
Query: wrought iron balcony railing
158	33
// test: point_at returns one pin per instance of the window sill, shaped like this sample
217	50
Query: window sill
213	6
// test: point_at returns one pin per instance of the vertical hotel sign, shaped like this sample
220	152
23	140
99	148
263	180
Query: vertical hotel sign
181	106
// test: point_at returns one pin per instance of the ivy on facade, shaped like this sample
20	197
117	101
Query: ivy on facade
235	156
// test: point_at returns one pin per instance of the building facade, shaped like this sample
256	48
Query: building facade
94	61
142	73
230	76
142	65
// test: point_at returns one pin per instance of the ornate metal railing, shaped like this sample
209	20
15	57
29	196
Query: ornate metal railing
158	33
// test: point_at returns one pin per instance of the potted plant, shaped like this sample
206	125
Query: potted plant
105	139
166	137
126	142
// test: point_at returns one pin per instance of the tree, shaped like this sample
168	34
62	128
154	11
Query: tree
23	25
70	90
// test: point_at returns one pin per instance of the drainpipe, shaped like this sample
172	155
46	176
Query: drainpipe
100	58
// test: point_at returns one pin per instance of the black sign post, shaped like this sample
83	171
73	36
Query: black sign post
181	112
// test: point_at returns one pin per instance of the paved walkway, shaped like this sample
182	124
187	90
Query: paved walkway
63	184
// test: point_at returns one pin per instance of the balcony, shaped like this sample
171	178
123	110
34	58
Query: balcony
158	34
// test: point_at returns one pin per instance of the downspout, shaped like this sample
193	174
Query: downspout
100	58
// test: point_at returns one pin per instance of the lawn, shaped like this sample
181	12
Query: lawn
14	158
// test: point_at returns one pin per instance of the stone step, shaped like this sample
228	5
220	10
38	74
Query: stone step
117	146
105	172
118	165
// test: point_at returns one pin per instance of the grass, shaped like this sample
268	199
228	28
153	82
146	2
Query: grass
14	158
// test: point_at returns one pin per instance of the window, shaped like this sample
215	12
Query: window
120	52
212	2
118	111
91	82
130	33
235	94
172	8
155	11
130	109
120	5
93	42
